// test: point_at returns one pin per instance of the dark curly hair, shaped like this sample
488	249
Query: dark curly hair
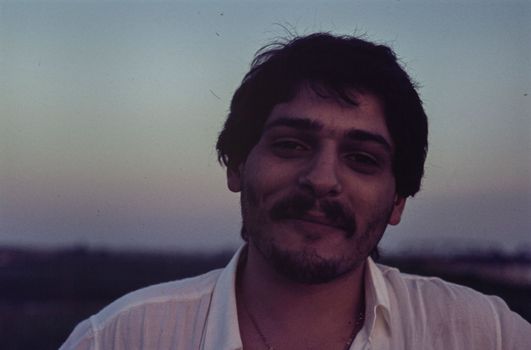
332	66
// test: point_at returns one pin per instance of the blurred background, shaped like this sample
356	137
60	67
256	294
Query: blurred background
109	112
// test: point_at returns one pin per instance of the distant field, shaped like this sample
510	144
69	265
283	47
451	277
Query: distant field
44	294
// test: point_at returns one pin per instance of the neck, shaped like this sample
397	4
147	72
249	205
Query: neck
279	305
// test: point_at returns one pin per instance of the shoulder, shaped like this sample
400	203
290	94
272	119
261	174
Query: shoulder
434	294
419	287
183	291
180	304
439	309
435	288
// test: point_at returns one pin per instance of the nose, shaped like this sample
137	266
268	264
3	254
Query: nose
320	177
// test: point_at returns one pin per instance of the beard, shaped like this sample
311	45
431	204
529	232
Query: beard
306	265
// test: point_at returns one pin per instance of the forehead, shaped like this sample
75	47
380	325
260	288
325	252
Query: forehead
330	117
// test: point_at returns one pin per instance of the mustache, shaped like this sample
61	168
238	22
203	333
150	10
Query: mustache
297	205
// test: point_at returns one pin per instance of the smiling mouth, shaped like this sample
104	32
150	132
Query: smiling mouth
321	221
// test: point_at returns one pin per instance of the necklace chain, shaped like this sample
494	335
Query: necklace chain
258	330
267	344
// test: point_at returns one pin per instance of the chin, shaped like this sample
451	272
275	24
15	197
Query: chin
307	261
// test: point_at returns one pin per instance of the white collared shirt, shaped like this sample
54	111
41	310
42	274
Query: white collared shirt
402	312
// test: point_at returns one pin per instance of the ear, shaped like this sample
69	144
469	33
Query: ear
398	208
234	178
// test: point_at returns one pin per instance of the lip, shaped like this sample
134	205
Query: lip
319	219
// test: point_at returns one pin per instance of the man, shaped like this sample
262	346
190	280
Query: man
325	140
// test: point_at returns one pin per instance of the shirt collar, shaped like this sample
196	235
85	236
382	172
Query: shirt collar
377	302
222	328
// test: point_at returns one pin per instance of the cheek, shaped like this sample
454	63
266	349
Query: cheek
256	186
266	181
250	196
372	199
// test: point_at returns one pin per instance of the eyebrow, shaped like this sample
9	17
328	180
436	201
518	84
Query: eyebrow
304	124
362	135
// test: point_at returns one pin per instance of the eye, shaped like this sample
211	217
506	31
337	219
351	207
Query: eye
362	158
289	148
363	162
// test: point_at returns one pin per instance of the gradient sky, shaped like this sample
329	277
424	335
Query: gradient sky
109	113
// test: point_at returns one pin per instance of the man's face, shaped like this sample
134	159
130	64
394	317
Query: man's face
317	190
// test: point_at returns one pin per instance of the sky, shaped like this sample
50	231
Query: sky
109	113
